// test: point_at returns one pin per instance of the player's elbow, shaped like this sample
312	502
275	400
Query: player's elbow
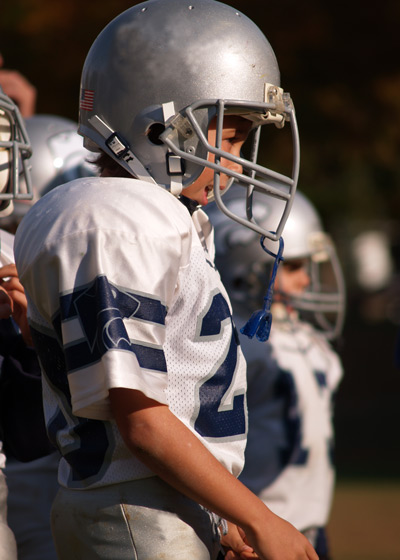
138	419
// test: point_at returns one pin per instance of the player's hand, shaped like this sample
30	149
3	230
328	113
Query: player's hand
235	544
16	86
13	301
279	540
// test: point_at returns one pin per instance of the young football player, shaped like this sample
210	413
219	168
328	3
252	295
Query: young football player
15	149
144	380
293	377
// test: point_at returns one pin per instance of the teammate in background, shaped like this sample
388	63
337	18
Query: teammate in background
19	89
58	156
144	381
293	377
15	149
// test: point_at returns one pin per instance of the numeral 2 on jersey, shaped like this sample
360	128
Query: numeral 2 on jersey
215	419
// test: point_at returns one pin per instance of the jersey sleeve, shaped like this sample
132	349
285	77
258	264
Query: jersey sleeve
105	292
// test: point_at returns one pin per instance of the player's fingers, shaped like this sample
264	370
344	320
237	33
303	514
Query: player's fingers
8	270
18	301
313	555
12	284
248	555
236	545
232	555
4	296
242	534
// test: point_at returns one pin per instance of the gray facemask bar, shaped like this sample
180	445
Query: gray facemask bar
189	124
21	150
320	303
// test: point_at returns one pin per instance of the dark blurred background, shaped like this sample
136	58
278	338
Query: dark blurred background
339	60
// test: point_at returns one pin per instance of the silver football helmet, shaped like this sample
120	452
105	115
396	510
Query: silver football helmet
160	72
58	152
58	156
15	149
245	267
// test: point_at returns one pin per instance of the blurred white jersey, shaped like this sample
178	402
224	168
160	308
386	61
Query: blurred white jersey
6	248
123	292
288	459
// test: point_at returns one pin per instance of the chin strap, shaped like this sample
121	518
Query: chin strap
190	204
174	162
120	149
260	322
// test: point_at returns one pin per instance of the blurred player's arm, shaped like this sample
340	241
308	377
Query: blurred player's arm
16	86
163	443
13	300
22	416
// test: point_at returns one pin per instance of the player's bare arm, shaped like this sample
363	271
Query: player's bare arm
165	445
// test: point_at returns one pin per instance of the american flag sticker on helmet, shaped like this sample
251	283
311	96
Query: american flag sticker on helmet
87	97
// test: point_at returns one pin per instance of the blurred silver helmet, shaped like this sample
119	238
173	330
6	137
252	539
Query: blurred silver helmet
160	72
58	156
58	152
15	149
245	267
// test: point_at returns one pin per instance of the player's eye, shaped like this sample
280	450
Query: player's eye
292	266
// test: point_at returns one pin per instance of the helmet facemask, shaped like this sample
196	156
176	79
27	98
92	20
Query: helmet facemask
186	138
323	302
15	149
243	265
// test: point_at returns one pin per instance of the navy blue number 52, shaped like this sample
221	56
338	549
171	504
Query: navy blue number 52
214	420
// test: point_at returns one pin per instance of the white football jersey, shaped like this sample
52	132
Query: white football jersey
123	292
288	461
